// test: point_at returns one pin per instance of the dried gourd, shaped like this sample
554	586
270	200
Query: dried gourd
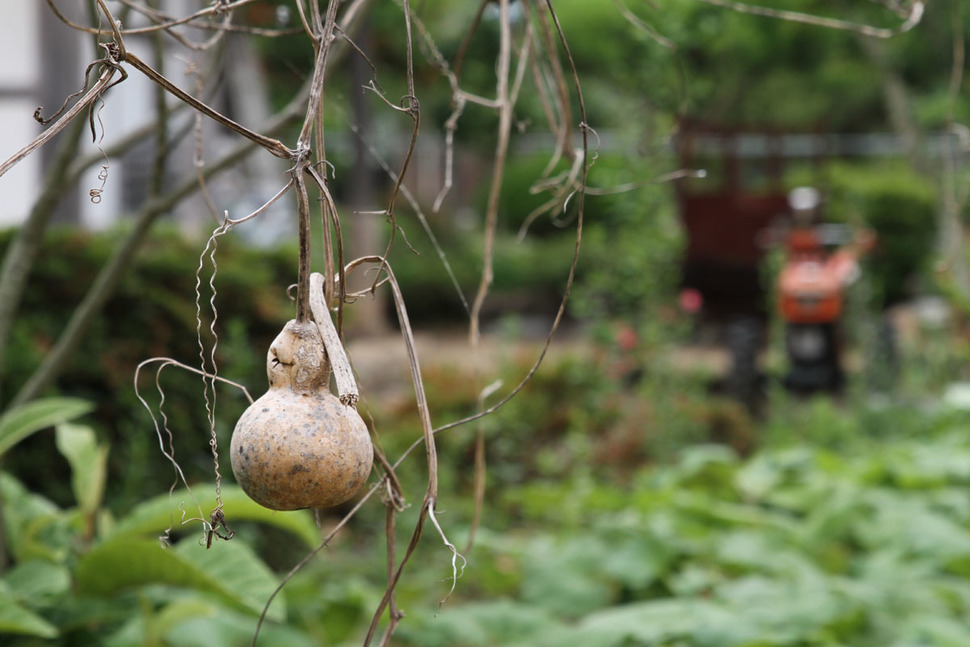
298	446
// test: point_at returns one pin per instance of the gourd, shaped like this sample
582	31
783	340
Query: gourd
298	446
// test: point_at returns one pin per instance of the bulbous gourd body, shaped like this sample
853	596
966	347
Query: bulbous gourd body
298	446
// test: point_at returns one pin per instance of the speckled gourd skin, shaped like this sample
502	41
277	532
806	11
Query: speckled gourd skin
298	446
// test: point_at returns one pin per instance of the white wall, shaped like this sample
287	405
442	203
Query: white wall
19	79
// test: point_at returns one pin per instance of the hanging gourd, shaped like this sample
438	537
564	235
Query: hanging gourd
299	445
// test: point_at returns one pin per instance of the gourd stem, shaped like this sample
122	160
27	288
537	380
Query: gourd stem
303	276
342	372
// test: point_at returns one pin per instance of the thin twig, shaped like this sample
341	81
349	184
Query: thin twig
954	258
274	146
457	569
912	19
323	37
560	83
165	26
637	22
480	465
503	66
92	95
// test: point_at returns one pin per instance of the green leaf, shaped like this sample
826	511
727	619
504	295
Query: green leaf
38	582
796	607
231	570
565	575
89	464
191	620
756	551
910	525
636	561
934	630
704	467
154	516
238	570
35	527
233	630
18	619
181	610
22	421
150	628
662	622
482	624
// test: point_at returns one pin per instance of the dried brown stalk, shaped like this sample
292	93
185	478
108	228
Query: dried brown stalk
913	17
503	67
92	95
342	372
637	22
954	199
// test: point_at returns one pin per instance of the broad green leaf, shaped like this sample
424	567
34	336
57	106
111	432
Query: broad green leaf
230	570
757	552
829	524
565	575
234	630
18	619
38	582
79	612
908	524
150	628
769	470
704	467
934	630
716	512
236	567
154	516
89	464
796	607
18	423
662	622
131	633
181	610
484	624
918	466
636	561
35	527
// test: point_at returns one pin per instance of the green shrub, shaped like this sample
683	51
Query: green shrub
900	207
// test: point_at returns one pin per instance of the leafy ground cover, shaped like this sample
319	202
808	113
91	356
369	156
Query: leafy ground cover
796	545
612	518
856	534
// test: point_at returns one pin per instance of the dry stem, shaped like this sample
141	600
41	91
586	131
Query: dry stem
913	18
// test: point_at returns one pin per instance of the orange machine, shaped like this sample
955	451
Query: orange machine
811	293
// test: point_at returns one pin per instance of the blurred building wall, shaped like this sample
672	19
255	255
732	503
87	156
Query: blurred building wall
20	76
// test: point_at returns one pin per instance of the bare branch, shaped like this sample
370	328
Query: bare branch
84	102
274	146
912	19
503	66
637	22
